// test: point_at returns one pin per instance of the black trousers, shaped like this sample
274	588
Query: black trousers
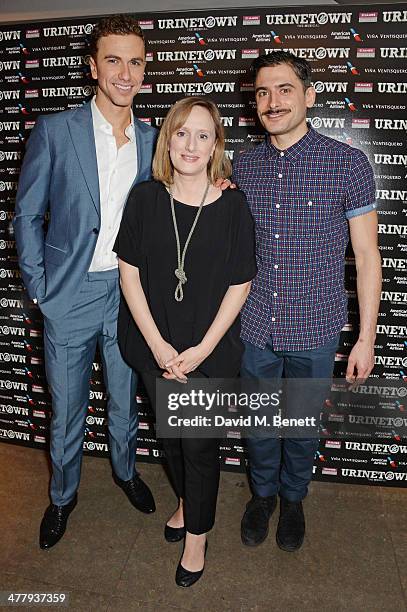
194	468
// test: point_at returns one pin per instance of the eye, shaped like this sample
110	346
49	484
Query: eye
136	62
203	136
112	60
285	90
261	93
180	133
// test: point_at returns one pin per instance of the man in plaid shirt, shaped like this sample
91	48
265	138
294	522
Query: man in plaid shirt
307	193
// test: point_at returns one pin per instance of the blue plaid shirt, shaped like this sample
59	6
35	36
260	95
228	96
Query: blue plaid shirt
301	199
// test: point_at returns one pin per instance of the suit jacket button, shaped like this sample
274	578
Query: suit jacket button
95	230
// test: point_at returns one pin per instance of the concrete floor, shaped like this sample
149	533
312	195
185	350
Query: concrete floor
113	558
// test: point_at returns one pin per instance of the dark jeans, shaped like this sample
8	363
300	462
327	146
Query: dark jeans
285	465
194	467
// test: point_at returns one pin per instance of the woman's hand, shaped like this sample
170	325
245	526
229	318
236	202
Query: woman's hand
188	360
163	352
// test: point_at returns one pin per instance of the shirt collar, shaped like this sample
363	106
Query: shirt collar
100	123
296	150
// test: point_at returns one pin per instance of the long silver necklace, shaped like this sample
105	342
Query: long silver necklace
179	271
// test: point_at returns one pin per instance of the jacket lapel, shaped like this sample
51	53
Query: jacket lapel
81	130
144	141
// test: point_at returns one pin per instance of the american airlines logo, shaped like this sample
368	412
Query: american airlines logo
10	155
371	447
14	435
57	62
318	53
13	384
197	23
373	474
390	160
9	126
390	124
69	92
313	19
198	55
329	86
10	35
73	30
395	16
13	94
8	409
10	65
317	123
195	88
11	357
6	330
392	88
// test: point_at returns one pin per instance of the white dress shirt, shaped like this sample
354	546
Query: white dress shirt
117	169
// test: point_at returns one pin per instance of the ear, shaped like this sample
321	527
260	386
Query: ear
310	96
93	68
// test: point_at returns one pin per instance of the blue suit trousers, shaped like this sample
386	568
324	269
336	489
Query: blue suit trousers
70	343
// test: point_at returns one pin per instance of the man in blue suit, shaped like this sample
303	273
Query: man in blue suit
80	165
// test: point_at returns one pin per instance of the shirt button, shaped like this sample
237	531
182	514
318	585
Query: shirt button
277	205
309	202
276	235
273	318
281	154
275	266
275	293
280	175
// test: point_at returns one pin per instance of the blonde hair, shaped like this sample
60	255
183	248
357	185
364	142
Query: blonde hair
219	165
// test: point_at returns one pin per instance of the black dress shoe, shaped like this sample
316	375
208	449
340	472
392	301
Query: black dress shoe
185	578
138	493
53	524
291	525
174	534
255	522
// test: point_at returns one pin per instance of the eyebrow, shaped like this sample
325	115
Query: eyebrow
261	87
112	56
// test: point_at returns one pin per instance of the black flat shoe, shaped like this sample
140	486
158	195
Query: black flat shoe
54	522
174	534
185	578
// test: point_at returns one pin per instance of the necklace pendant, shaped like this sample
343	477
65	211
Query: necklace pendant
180	274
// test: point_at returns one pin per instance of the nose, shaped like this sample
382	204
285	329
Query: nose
273	99
189	143
124	73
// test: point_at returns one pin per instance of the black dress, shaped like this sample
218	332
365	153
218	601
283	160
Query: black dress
221	253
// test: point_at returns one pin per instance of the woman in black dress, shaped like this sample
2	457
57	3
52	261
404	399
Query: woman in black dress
186	259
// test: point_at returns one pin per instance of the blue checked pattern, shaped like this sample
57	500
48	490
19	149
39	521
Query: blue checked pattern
301	200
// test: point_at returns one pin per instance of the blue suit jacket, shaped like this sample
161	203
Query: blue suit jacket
59	174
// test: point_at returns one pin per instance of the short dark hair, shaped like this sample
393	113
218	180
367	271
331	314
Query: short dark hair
301	67
113	24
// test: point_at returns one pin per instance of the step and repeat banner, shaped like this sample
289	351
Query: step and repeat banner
358	55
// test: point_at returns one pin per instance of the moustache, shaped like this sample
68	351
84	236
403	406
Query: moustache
274	112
